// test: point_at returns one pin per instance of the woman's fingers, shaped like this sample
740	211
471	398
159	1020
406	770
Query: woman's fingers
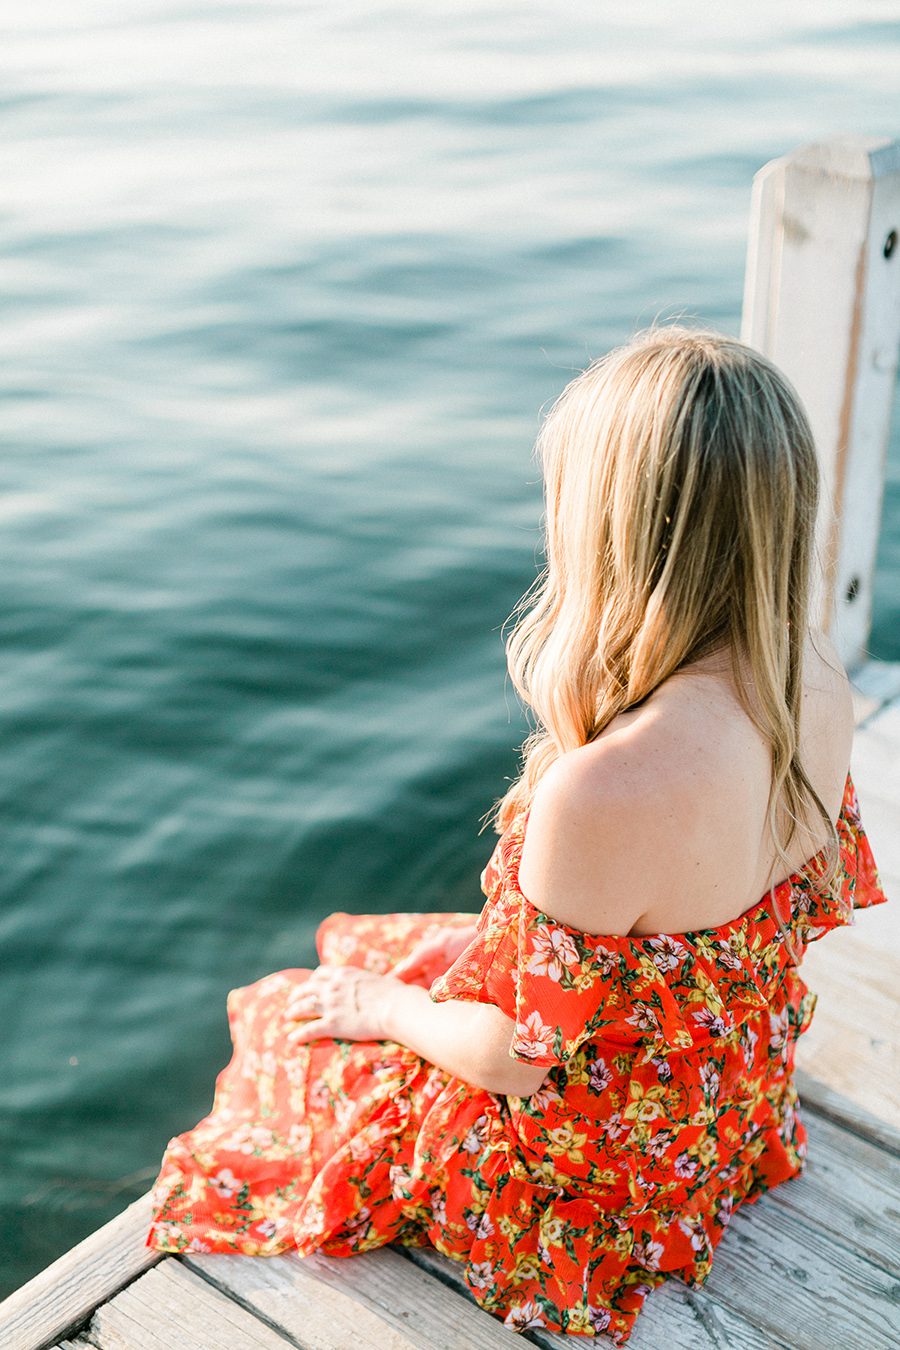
304	1005
321	992
344	1002
410	963
441	945
309	1006
318	986
313	1030
304	1002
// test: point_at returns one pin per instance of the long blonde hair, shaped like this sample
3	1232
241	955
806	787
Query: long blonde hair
681	490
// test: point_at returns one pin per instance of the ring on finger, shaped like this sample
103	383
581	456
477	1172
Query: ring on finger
307	1001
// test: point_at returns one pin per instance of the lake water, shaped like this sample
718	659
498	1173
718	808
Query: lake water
285	288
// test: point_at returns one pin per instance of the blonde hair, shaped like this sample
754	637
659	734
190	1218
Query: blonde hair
681	489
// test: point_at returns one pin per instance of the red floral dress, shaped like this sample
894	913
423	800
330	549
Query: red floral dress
668	1102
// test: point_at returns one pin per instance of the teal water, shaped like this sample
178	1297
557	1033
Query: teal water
284	290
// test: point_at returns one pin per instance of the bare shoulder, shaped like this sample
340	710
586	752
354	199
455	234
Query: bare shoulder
827	724
602	824
826	682
658	825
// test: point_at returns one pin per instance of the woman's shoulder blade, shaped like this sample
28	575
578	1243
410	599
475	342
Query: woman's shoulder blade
658	825
597	831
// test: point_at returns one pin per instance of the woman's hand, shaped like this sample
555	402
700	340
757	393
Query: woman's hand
341	1001
434	954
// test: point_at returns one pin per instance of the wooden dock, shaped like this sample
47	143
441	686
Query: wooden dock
812	1265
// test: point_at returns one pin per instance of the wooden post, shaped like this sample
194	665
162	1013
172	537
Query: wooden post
822	299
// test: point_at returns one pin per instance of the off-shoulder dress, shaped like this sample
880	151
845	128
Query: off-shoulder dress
668	1102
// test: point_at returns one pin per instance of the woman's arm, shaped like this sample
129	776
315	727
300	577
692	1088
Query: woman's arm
469	1040
433	955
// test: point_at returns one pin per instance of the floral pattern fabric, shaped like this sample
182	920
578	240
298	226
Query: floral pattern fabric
668	1102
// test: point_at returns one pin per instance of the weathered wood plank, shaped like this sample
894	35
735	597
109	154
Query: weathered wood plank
852	1047
170	1307
846	1112
837	1226
850	1044
851	1188
844	1210
712	1324
819	219
375	1298
672	1316
828	1134
64	1294
799	1282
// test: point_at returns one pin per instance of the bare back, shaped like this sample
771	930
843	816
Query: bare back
720	860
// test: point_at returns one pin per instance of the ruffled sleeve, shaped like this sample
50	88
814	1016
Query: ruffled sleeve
652	994
562	987
859	883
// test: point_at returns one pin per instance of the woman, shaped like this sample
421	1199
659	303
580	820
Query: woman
572	1091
